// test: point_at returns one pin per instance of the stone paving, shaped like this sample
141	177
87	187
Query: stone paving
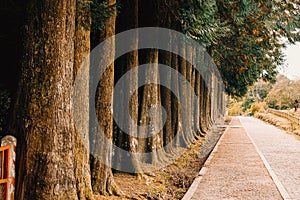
235	171
281	151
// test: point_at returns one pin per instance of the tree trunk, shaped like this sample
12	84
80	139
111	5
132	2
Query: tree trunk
165	58
151	92
151	98
176	113
203	97
189	95
183	97
81	101
128	19
102	177
46	163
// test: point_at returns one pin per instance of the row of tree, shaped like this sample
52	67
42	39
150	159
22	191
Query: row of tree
60	154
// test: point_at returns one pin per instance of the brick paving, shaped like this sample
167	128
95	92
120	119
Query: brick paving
281	150
235	171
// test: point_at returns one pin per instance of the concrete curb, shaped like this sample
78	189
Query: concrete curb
189	194
285	195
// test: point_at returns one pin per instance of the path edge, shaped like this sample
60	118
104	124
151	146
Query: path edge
189	194
285	195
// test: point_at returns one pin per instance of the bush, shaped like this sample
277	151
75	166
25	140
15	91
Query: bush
257	107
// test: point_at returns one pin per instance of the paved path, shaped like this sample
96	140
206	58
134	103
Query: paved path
281	151
236	170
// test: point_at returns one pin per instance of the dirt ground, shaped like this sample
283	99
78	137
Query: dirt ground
279	122
171	182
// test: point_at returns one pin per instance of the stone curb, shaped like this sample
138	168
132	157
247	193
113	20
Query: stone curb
277	182
189	194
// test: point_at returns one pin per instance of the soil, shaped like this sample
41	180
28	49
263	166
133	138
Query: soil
279	122
171	182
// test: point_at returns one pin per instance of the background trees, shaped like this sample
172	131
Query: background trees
284	94
252	49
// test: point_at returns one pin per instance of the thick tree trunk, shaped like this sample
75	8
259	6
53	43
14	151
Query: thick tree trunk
151	92
47	167
189	95
183	97
202	94
81	101
176	113
166	96
102	177
165	58
150	98
197	104
128	19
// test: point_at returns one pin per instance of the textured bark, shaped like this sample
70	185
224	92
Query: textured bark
151	98
197	54
128	19
166	92
176	114
166	96
189	95
197	104
45	161
81	102
151	92
208	100
176	107
101	147
183	97
203	99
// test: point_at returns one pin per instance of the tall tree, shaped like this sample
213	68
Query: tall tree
46	164
101	146
81	99
253	48
128	19
150	117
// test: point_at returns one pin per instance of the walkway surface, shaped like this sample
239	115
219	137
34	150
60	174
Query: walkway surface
281	151
253	160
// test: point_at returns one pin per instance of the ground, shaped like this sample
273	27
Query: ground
279	122
171	182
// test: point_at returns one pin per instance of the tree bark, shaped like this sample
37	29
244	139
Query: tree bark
81	100
46	163
189	95
151	92
183	97
101	173
128	19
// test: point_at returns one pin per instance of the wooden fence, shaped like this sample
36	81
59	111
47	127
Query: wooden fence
293	118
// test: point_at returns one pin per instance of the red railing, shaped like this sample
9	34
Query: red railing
4	172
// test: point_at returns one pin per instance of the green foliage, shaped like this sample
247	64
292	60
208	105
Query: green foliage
256	107
234	106
253	48
83	13
100	12
247	103
253	101
199	22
